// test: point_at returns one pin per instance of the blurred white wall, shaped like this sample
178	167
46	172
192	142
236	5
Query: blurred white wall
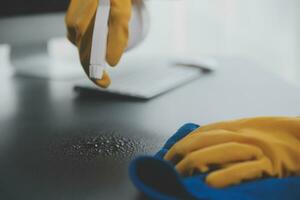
265	31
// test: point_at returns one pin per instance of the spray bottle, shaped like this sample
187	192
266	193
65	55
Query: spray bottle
138	28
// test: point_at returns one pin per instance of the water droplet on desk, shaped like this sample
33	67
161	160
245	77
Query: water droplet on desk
110	146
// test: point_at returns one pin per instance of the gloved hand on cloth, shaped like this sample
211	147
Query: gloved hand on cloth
256	158
80	21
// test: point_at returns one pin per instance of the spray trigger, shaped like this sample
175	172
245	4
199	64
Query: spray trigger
99	40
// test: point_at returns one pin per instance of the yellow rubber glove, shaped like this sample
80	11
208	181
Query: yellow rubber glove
241	150
80	21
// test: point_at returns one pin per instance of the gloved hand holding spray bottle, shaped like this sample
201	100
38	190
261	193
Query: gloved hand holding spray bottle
102	30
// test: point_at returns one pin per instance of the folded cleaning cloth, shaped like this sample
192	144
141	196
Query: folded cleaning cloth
158	179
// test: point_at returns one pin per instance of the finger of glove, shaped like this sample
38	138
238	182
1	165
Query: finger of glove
200	141
118	33
266	123
201	160
240	172
232	125
84	47
104	82
79	16
69	21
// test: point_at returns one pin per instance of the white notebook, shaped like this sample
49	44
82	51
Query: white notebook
146	78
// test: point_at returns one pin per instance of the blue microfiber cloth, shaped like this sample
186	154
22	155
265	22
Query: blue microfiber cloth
157	179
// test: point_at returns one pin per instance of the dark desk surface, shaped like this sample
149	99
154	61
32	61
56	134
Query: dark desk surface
49	134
